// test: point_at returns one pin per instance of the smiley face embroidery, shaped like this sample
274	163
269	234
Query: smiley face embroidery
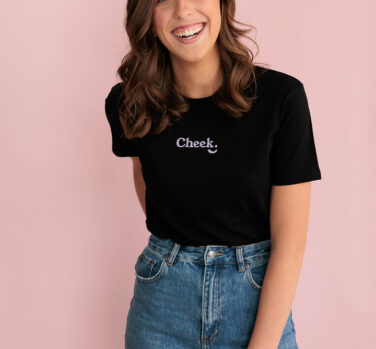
207	144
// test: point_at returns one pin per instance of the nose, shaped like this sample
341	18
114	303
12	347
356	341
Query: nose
183	8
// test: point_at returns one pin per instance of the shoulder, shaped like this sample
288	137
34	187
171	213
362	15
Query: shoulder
115	92
112	104
275	82
113	100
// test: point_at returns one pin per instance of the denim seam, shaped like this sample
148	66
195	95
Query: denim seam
251	279
225	262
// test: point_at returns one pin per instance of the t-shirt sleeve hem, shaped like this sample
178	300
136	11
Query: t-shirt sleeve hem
298	178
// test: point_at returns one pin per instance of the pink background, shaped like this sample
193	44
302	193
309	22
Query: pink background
71	225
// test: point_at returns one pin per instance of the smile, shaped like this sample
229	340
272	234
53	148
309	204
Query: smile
189	36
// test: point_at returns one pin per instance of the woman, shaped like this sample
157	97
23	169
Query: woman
223	155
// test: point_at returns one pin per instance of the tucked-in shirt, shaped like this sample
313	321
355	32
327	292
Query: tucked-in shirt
208	176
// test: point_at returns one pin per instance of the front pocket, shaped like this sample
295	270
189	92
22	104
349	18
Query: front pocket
149	268
256	272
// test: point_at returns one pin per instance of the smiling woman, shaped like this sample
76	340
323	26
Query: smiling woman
220	143
161	70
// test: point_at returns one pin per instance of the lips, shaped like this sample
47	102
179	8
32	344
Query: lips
187	26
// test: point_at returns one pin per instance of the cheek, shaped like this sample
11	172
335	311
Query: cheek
209	6
212	11
159	20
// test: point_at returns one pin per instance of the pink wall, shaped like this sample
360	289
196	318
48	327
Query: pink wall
71	225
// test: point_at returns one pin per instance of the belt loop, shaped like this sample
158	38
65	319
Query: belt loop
239	257
171	257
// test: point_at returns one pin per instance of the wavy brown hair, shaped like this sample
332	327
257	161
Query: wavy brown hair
150	97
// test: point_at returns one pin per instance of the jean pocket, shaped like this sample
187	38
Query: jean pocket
256	270
150	266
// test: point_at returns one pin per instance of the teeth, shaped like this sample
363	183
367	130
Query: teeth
189	32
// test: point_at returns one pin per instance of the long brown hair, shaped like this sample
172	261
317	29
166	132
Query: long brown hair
150	97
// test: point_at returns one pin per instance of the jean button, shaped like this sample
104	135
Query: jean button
211	254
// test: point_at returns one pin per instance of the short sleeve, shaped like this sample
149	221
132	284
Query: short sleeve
121	146
293	156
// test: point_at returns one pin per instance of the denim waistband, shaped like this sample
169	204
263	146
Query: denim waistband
209	254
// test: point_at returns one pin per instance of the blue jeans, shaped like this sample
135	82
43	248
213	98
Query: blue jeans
188	297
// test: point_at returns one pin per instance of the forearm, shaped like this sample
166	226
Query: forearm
276	298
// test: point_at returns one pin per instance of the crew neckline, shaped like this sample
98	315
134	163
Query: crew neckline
199	101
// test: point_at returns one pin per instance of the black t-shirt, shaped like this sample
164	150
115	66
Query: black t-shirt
208	176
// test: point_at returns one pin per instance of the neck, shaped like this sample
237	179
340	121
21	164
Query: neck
198	79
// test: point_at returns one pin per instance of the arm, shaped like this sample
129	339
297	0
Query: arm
139	181
289	213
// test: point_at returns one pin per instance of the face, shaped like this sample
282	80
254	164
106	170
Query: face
169	14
